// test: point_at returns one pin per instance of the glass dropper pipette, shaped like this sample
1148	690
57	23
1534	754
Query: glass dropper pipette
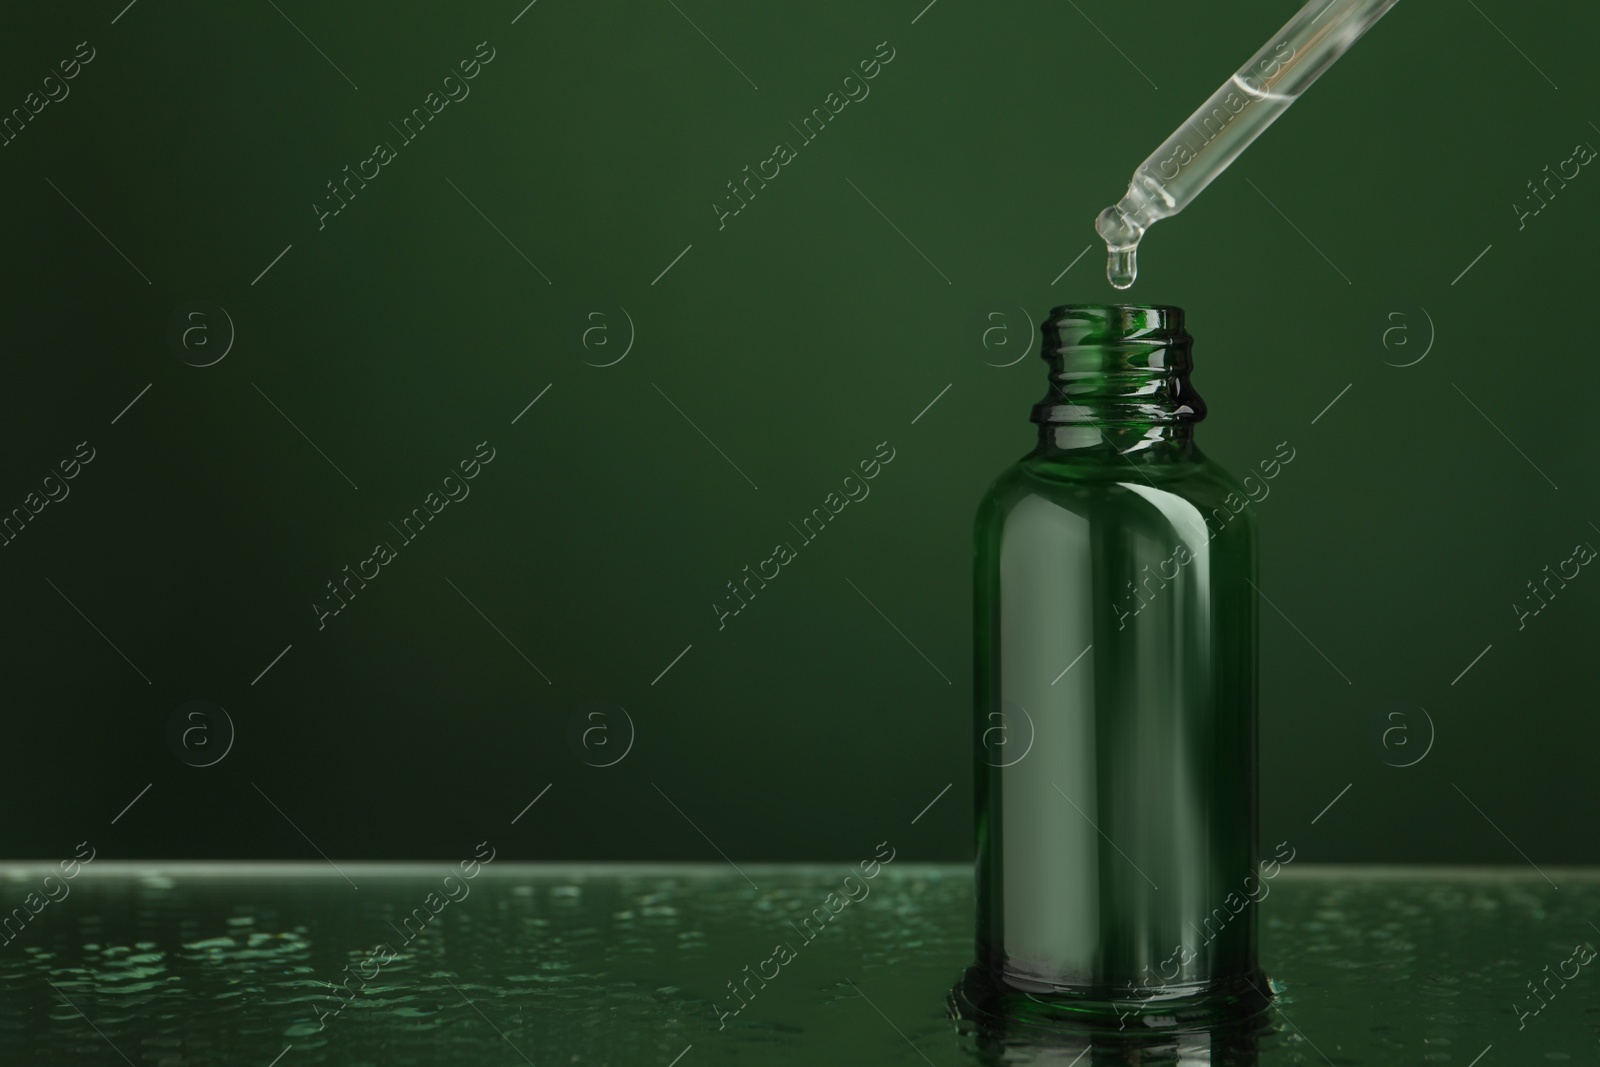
1224	126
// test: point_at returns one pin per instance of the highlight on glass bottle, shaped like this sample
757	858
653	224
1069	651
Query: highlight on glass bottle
1115	700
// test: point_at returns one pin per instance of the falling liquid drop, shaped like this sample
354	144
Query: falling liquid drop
1122	266
1121	235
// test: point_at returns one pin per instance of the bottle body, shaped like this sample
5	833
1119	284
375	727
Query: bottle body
1115	675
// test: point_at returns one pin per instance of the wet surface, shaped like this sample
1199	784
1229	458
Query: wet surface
549	964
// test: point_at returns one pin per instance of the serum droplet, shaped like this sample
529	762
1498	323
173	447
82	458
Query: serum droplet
1121	234
1122	266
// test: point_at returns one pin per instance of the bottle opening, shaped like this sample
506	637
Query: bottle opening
1118	364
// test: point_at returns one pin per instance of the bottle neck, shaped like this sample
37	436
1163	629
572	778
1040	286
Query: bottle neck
1132	442
1119	382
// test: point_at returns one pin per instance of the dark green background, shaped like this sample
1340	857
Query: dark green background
797	339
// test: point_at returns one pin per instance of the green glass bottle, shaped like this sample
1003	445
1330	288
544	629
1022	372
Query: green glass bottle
1115	676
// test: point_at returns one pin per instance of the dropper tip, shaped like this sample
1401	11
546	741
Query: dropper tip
1121	234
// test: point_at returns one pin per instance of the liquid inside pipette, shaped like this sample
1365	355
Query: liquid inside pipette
1236	114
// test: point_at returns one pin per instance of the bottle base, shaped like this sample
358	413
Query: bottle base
980	996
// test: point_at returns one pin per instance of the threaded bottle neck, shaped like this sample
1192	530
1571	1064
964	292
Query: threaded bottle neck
1121	366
